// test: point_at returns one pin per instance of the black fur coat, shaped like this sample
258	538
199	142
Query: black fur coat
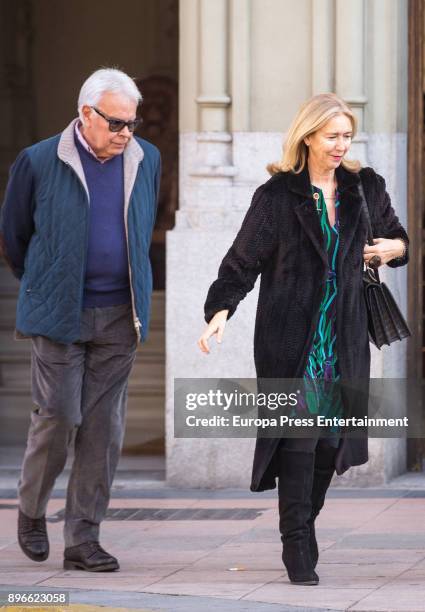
282	240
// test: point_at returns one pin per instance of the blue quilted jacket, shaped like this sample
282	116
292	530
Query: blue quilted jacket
44	232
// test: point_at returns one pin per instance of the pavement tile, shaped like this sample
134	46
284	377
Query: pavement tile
246	548
153	503
147	557
371	557
359	510
332	534
259	563
283	591
194	574
421	564
264	557
254	502
372	554
257	534
386	526
346	576
409	504
114	582
175	544
221	529
402	513
406	541
393	597
222	591
415	576
29	578
73	608
212	583
342	571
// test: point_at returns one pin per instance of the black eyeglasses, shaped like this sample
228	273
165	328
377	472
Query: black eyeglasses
116	125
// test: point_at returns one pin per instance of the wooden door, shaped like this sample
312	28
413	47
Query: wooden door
416	210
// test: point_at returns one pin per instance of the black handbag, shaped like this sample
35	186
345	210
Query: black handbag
385	321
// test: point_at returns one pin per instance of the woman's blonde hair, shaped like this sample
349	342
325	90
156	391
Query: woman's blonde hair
312	116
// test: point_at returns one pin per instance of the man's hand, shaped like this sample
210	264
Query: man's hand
385	248
215	326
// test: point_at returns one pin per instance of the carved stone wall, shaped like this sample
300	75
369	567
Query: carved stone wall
245	68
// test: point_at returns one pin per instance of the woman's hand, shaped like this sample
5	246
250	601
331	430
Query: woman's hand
385	248
215	326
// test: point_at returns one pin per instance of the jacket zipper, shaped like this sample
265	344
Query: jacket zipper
136	322
86	242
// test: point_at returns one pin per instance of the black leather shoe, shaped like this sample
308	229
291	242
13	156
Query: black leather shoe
89	556
32	537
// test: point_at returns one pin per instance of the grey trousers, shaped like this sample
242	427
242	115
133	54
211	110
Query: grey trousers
80	394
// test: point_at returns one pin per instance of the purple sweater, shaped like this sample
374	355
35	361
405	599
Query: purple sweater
107	281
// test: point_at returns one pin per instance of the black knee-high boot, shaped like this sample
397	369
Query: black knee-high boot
324	469
322	480
295	488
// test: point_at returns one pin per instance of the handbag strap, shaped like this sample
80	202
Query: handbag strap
365	207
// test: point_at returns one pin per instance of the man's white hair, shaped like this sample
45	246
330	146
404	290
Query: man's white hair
107	80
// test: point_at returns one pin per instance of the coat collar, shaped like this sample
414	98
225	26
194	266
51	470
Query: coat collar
300	183
349	212
68	153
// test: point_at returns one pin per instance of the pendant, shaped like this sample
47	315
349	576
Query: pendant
316	196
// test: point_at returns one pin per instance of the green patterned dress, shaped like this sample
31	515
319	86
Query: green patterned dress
322	365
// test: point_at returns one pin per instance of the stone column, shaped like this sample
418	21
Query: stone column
323	45
213	99
214	140
240	65
244	182
212	34
350	38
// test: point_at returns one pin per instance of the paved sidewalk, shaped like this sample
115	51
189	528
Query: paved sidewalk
219	551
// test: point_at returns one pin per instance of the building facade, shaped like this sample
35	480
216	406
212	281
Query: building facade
242	68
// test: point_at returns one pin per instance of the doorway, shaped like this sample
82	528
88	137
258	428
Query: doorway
47	50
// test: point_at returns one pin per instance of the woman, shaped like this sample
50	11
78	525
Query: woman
305	234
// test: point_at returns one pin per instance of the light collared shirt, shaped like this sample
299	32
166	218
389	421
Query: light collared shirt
85	144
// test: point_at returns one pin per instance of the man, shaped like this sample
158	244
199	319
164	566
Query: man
76	228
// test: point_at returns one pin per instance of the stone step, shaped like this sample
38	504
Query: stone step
8	283
145	418
11	348
153	348
9	287
15	372
146	404
7	311
8	316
